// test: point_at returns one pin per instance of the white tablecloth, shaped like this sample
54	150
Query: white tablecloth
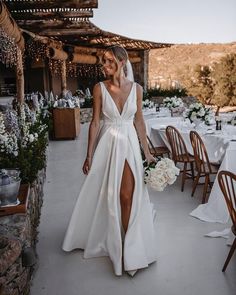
152	113
220	149
215	210
159	123
216	142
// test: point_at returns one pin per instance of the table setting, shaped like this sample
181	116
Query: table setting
220	145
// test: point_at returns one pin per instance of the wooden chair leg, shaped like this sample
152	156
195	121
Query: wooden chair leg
183	176
207	180
195	183
192	170
231	252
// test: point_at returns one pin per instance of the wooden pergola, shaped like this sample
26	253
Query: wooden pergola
69	22
65	27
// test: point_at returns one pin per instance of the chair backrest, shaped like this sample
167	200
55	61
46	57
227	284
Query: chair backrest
150	144
200	153
178	147
227	182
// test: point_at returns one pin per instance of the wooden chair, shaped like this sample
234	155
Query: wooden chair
227	182
203	165
158	151
180	154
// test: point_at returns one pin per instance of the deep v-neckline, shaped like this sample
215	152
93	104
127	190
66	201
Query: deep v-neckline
120	113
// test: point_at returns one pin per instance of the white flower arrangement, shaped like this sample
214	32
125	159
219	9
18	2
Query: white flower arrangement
26	148
11	122
198	112
173	103
148	103
28	139
85	99
68	101
159	175
8	141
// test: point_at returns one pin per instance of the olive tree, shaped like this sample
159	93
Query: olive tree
216	84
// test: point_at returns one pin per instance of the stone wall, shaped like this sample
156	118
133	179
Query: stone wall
174	66
18	237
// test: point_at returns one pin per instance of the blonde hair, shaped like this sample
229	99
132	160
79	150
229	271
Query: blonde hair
120	54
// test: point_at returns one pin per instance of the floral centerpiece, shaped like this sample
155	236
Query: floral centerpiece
67	101
23	140
173	103
147	103
159	175
85	99
198	113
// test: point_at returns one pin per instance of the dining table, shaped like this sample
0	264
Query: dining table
221	148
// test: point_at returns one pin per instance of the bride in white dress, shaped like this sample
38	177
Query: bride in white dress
113	215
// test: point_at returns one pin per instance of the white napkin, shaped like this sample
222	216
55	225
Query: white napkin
219	234
226	234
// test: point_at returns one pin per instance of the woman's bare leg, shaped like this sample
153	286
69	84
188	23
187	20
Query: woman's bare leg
126	195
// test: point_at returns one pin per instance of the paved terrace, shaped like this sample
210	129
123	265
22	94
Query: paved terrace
188	263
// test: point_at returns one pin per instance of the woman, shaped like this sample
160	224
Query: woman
113	215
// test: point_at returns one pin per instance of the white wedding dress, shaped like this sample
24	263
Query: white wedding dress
95	224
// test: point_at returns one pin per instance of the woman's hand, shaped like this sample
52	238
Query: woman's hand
150	159
87	165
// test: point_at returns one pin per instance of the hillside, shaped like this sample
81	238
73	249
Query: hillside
173	66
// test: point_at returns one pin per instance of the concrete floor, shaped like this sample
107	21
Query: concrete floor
188	263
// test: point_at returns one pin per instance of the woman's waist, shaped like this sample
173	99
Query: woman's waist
118	122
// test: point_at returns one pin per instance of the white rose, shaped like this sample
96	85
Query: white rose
193	116
31	138
161	165
171	178
169	163
201	113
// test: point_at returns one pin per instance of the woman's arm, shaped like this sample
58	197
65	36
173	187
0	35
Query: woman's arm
141	127
93	127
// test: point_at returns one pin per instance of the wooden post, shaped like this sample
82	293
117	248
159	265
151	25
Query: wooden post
145	69
20	82
63	76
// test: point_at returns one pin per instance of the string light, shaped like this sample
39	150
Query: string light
36	50
8	50
55	67
89	71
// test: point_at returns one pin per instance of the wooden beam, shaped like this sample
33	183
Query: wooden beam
10	26
69	32
39	15
134	60
19	5
58	27
58	54
83	58
40	24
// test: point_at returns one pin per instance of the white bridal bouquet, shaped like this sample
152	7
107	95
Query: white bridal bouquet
173	103
158	175
198	112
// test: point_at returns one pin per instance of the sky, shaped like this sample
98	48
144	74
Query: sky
170	21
